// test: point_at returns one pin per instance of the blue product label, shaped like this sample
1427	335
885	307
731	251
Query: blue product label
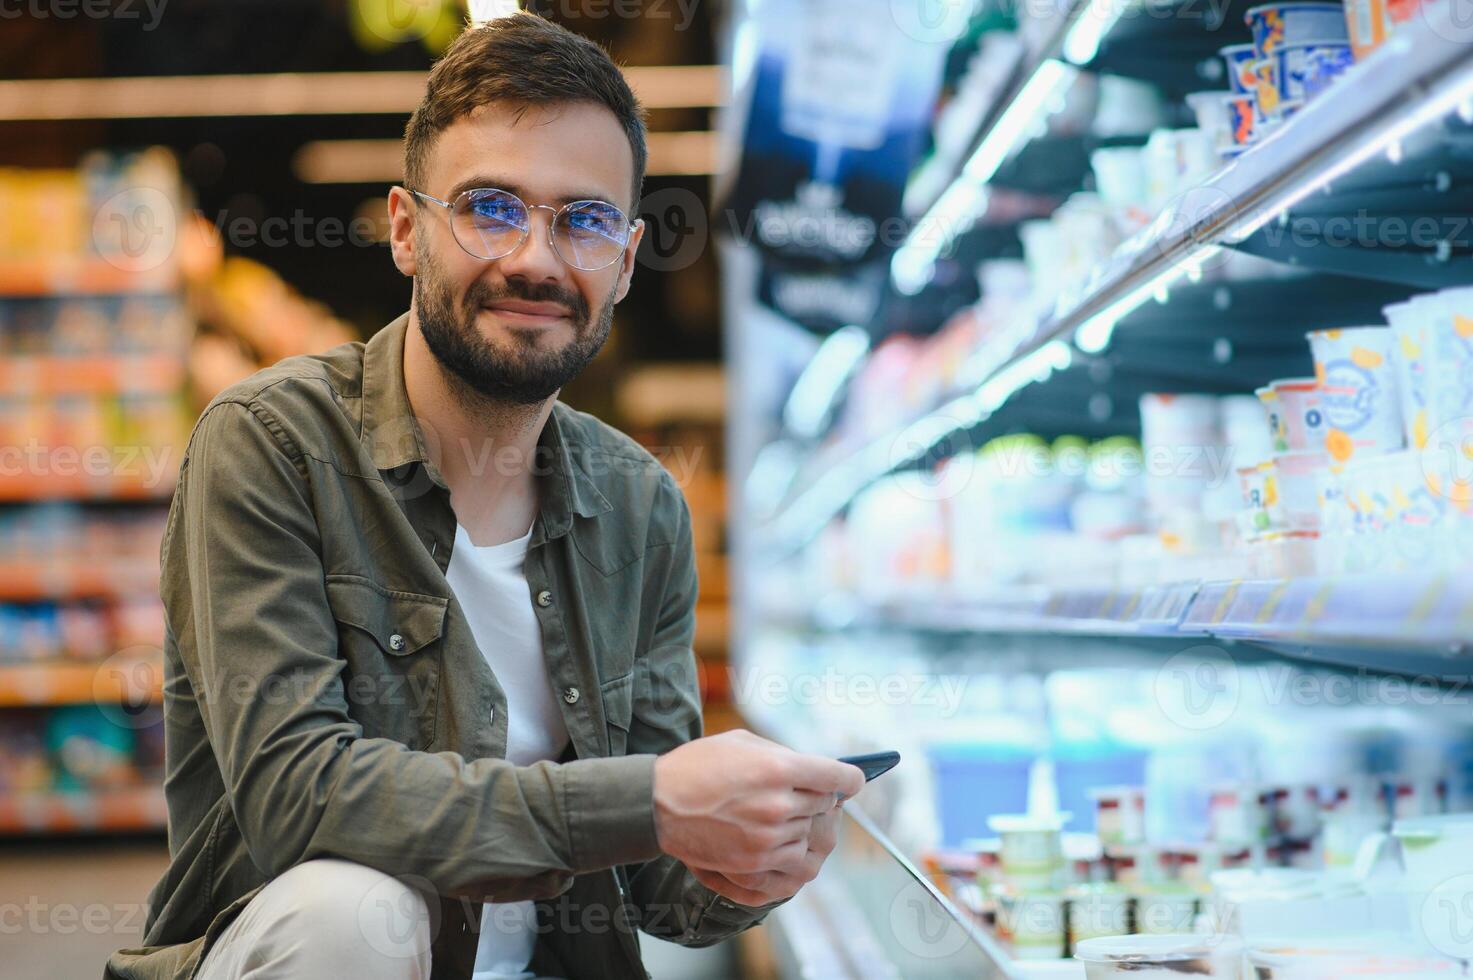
1349	395
1324	65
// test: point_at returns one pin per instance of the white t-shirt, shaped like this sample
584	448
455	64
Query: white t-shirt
492	589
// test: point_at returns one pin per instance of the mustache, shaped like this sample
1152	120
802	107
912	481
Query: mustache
482	294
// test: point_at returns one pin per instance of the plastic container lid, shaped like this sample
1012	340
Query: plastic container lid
1011	823
1164	948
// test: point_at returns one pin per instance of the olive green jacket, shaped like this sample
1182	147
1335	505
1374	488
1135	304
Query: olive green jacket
324	696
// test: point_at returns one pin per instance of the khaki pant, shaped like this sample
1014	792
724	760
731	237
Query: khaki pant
326	918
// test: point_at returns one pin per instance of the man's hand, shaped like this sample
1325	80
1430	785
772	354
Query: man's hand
772	886
748	815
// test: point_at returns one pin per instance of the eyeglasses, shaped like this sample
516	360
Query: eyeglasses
491	224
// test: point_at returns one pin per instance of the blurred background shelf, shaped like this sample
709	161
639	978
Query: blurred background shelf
56	683
93	487
1410	625
20	277
103	811
43	375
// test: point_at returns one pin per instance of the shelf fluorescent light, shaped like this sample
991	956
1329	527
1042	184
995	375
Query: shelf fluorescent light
1093	336
819	385
1049	79
915	261
1082	42
1035	367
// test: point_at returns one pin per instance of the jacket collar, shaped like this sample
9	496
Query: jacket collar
394	438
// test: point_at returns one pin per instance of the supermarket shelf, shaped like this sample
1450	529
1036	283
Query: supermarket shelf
57	683
80	277
111	375
1418	77
1413	625
30	581
137	809
26	487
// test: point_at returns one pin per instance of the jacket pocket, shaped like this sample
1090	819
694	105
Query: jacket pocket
392	644
618	699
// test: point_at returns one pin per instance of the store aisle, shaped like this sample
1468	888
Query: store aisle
66	904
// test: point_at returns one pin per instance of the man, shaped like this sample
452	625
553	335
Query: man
430	699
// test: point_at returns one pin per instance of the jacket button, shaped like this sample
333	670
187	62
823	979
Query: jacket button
396	642
544	598
570	695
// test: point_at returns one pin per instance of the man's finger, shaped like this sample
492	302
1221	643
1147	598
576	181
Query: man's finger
809	803
724	886
823	775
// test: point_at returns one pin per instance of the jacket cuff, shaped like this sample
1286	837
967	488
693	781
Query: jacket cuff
610	805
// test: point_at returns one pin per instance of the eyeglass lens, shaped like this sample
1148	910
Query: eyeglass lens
588	235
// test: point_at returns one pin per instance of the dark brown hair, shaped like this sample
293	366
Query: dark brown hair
524	60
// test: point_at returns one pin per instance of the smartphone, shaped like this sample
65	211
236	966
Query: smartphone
874	764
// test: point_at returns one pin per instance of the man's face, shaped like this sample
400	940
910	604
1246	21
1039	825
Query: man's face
519	327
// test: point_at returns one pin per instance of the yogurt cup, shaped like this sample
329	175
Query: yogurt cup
1276	24
1302	71
1033	925
1095	910
1213	117
1160	957
1296	416
1031	853
1259	493
1239	58
1243	119
1120	814
1297	476
1266	92
1327	62
1165	909
1435	848
1447	447
1412	325
1120	176
1357	380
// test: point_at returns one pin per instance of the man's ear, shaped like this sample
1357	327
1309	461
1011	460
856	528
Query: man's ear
631	251
402	207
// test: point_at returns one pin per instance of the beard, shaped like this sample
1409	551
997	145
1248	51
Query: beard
515	371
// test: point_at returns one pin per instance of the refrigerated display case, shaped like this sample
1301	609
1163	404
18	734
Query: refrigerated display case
1150	558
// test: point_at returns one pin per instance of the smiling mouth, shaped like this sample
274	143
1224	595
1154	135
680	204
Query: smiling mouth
531	315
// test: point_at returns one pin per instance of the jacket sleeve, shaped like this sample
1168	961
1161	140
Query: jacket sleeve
670	903
244	587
